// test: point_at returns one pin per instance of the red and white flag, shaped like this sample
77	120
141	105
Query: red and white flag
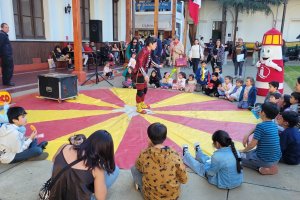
194	6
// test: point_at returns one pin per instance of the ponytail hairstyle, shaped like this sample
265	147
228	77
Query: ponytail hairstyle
222	137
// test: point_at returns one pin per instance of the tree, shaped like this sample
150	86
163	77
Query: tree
248	6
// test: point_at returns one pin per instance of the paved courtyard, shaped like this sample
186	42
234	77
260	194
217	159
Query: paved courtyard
22	181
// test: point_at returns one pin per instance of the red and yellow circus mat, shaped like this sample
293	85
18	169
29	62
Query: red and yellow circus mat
189	118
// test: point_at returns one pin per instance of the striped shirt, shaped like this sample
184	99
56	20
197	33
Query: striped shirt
298	125
268	146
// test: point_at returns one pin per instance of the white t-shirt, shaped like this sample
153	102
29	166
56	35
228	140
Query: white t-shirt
132	63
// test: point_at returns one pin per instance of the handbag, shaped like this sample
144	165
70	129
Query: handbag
181	62
44	192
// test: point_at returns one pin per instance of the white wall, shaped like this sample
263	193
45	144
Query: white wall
7	16
102	10
57	24
122	20
251	27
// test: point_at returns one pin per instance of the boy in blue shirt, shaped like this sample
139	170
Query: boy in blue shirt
266	140
202	76
289	138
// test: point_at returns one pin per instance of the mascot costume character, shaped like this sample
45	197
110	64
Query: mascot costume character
270	65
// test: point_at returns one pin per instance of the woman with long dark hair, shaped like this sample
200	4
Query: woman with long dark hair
133	47
223	169
218	55
92	175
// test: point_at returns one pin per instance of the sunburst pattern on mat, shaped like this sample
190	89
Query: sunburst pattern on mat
189	118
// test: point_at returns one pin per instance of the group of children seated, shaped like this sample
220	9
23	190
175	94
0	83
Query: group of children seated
159	170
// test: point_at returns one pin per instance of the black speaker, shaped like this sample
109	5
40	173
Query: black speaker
96	31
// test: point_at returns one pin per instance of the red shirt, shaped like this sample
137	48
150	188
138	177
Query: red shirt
87	49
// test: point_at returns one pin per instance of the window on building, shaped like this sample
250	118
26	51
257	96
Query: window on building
85	18
29	19
115	20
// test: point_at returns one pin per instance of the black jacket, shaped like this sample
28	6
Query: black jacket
5	46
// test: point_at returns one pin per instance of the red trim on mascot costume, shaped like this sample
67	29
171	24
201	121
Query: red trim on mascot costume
270	66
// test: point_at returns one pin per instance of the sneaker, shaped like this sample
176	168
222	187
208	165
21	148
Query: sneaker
240	76
234	77
268	170
43	156
185	148
43	144
197	146
137	187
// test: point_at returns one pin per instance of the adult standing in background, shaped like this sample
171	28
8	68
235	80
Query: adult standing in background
156	57
177	51
196	54
218	55
239	55
209	47
255	55
226	52
7	56
202	44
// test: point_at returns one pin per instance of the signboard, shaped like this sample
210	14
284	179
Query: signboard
147	22
149	6
5	97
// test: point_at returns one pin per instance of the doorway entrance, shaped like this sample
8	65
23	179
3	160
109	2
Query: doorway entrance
216	30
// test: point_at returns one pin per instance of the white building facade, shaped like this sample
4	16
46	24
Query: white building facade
252	26
56	25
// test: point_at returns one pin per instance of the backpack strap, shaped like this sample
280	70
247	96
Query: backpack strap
53	181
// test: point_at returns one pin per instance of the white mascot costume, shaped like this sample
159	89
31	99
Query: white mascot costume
270	65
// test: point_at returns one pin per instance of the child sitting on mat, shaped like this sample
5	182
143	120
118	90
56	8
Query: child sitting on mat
190	84
223	169
167	81
159	169
14	146
180	83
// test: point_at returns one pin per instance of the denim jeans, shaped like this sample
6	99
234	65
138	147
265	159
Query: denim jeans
250	160
243	104
198	164
238	67
137	178
33	150
166	85
195	62
220	170
109	179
